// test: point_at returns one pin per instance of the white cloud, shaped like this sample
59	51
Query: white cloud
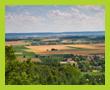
91	8
74	10
59	13
77	18
20	18
20	22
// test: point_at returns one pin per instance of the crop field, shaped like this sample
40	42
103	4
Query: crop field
81	49
11	43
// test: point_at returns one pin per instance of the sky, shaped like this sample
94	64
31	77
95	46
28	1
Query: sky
26	19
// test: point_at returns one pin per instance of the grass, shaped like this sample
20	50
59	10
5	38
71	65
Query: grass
21	50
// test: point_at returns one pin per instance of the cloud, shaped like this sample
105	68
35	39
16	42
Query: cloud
21	18
91	8
75	10
22	22
77	18
59	13
74	18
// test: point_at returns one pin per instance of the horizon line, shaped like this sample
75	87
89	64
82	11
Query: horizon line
55	32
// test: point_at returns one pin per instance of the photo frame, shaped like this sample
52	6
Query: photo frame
4	3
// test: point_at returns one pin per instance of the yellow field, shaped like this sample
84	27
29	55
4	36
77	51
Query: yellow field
61	49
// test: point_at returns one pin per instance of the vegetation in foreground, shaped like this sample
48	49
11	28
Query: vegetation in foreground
51	72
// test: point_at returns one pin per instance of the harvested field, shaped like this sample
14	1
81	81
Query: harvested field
76	52
12	43
83	49
21	59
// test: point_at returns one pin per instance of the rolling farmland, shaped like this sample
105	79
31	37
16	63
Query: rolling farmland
81	49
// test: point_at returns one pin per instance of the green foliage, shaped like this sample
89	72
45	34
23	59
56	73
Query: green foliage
33	73
9	52
51	59
50	72
93	79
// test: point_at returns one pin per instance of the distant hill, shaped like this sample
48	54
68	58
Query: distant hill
15	36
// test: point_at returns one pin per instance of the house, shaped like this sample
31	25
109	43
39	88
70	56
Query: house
68	60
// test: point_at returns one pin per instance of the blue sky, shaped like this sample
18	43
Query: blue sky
25	19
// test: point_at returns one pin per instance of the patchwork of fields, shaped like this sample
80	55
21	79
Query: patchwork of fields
76	49
57	57
81	49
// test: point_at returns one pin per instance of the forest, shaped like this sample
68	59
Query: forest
87	71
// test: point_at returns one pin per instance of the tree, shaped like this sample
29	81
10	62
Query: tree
9	52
